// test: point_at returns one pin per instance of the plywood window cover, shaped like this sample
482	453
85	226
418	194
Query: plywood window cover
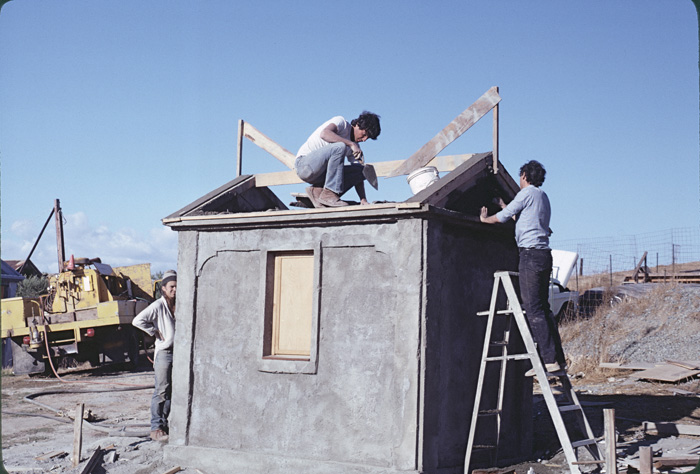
289	364
292	303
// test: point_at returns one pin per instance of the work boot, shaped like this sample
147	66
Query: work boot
159	435
313	192
549	368
330	199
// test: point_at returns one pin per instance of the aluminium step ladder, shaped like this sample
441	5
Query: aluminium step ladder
571	403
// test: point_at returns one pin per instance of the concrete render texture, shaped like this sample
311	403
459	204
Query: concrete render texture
396	349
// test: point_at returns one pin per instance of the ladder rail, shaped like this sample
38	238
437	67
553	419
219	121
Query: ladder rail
515	311
482	374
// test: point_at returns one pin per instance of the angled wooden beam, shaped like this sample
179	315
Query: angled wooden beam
269	145
443	163
450	133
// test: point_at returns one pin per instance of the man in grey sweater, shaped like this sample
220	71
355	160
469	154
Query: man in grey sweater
158	320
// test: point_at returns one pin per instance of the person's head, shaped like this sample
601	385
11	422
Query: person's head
168	286
533	172
366	126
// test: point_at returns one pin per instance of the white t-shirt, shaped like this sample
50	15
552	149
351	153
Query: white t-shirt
314	142
157	316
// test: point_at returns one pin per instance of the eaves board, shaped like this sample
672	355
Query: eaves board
238	195
470	186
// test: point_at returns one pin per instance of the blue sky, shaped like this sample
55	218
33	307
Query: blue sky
127	110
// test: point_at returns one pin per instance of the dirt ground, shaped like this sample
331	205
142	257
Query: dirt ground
30	431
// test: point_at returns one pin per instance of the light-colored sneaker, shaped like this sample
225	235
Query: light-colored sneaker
160	435
549	368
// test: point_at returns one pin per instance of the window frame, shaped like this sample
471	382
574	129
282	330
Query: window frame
286	363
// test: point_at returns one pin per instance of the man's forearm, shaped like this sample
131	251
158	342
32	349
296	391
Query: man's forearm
331	137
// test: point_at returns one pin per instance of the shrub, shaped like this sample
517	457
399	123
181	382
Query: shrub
33	286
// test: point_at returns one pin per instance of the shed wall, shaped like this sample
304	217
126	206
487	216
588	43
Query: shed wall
358	412
460	265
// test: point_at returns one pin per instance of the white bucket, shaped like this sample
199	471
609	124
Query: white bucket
422	178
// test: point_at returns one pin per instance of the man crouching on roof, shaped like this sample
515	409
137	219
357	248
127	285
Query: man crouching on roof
321	159
158	320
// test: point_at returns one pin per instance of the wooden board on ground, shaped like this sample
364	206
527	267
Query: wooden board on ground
666	373
627	365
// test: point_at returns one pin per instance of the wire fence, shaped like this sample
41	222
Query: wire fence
623	253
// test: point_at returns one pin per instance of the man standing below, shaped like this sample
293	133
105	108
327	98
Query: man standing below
532	212
321	159
158	320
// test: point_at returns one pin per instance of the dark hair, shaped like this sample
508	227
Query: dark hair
534	172
368	122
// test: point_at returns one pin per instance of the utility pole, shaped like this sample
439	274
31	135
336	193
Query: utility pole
59	234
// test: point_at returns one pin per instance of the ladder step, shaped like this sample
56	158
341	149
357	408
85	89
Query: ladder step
583	442
484	446
498	344
500	311
565	408
491	412
510	357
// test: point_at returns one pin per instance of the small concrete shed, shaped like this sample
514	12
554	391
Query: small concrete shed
338	340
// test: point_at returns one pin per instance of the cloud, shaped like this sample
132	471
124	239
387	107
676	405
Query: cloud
120	247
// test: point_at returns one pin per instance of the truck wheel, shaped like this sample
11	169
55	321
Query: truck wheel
134	349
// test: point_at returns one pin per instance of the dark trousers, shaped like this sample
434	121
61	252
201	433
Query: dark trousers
535	269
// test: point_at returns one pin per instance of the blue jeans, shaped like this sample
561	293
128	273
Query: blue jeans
535	269
324	168
160	403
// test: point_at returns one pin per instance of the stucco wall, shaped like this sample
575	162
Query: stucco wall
358	411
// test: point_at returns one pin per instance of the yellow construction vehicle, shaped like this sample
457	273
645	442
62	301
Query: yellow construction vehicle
86	315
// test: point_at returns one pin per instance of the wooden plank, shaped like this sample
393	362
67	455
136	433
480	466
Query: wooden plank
239	162
450	133
665	463
92	462
52	454
645	460
627	366
666	373
610	441
173	470
444	164
269	145
495	137
686	364
78	433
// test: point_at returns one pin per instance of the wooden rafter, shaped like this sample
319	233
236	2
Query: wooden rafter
450	133
382	168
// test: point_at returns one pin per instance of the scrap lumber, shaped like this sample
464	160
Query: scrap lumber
627	366
173	470
610	441
646	457
686	364
78	433
450	133
667	373
50	455
665	463
92	462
